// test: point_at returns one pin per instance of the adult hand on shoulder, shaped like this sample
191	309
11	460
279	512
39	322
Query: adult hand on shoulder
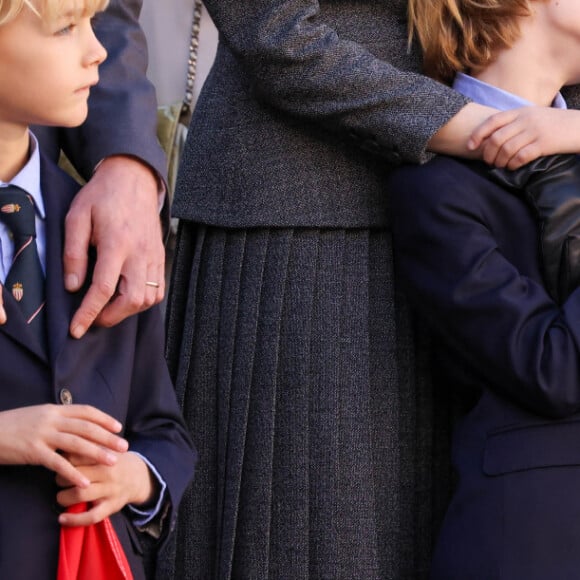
515	137
111	488
117	213
41	434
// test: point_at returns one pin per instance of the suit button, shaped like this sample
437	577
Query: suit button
66	397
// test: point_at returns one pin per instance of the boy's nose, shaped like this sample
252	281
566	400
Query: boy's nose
100	53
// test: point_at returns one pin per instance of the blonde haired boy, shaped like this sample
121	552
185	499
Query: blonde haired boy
91	420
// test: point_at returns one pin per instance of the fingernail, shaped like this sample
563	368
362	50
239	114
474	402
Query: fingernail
72	282
123	445
77	331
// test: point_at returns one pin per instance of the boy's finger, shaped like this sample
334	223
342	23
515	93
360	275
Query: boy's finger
97	513
92	452
92	415
58	464
82	433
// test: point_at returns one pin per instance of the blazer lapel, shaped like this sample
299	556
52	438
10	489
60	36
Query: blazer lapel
58	192
16	326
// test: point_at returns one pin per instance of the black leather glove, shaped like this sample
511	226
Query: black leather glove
551	185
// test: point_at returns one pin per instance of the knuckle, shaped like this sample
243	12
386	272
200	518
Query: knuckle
72	252
135	299
105	287
496	139
151	299
527	154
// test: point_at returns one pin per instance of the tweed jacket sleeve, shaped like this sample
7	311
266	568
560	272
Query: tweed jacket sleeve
122	107
299	63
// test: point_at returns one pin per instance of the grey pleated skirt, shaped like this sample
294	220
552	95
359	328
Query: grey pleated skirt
323	447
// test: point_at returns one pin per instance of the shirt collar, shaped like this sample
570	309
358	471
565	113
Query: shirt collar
486	94
28	178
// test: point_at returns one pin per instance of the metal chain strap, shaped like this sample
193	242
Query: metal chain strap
192	59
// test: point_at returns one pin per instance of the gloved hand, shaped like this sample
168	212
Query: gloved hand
551	185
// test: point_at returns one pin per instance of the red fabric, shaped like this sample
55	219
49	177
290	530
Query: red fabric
91	552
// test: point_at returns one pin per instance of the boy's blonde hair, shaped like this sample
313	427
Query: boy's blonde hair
463	35
48	9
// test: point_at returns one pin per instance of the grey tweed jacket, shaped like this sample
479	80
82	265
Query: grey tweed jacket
308	104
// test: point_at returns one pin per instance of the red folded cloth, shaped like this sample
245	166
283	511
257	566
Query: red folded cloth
91	552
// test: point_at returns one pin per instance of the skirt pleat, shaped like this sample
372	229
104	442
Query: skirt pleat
311	406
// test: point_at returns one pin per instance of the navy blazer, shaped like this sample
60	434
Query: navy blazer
120	370
467	251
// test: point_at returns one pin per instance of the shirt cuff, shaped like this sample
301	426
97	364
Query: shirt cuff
141	518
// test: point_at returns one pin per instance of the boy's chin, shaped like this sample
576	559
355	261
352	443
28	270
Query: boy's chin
71	117
75	120
68	122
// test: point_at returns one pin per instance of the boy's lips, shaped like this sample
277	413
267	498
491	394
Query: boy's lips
87	87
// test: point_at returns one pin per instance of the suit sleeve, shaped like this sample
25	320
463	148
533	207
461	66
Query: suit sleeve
155	426
498	322
298	63
122	107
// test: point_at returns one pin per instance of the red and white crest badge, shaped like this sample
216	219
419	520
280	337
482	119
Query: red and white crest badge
17	291
10	208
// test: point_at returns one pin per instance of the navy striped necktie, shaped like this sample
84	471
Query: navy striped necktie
25	279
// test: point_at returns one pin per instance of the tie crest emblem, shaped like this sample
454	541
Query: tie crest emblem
17	291
17	213
10	208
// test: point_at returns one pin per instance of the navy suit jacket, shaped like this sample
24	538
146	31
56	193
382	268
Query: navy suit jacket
120	370
467	251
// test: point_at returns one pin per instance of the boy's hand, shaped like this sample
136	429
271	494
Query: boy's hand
40	434
117	212
516	137
112	487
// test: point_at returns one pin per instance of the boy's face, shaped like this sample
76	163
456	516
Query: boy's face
47	69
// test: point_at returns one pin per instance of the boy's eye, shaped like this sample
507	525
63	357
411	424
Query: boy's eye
65	30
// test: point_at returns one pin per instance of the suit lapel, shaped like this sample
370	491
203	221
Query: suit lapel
16	326
58	192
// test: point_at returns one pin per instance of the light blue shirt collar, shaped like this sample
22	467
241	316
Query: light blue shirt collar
29	177
486	94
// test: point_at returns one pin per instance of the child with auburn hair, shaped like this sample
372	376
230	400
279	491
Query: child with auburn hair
93	420
467	248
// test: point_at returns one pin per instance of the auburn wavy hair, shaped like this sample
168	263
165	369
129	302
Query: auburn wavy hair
463	35
49	9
